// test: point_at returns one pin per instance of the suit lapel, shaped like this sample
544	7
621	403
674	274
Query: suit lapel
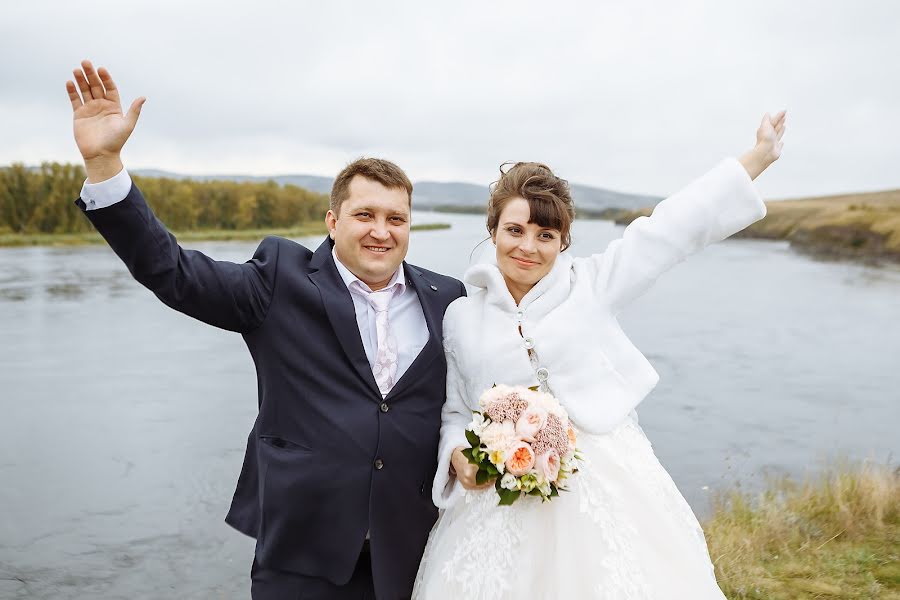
428	299
339	308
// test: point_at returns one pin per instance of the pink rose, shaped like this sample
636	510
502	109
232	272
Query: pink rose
548	465
521	458
498	436
531	421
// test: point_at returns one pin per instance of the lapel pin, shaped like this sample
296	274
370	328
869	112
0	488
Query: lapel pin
434	288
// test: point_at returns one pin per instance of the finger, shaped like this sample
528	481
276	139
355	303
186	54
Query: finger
134	111
112	92
779	131
93	79
83	85
74	98
779	118
765	120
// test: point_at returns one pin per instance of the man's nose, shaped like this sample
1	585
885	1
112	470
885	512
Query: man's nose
380	232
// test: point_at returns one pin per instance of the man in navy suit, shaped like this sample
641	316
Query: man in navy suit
346	340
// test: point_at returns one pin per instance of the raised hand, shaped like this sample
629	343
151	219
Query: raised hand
768	136
101	129
768	145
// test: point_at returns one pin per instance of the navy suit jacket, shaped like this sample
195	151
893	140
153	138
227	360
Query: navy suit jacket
328	459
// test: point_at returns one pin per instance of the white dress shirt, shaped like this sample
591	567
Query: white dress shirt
106	193
405	314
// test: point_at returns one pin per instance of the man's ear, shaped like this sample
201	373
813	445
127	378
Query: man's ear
331	223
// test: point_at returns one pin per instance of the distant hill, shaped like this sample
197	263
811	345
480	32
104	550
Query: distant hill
449	196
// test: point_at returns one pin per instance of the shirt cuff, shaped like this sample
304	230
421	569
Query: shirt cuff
106	193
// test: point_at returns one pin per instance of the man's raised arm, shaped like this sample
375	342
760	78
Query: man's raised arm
228	295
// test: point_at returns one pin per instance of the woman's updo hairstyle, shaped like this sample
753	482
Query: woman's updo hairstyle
548	197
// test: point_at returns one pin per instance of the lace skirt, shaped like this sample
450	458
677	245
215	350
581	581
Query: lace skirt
623	531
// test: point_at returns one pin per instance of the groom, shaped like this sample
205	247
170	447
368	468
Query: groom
346	340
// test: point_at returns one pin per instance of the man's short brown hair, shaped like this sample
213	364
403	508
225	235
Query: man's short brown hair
376	169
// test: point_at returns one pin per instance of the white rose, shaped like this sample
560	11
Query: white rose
477	425
509	482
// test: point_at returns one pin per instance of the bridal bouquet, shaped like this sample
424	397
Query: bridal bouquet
522	438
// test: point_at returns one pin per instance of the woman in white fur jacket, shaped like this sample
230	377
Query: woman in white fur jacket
542	318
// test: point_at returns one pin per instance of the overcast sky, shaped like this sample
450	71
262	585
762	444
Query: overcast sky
632	96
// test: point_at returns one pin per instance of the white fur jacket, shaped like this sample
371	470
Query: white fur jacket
569	317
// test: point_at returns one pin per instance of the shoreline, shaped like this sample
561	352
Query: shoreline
859	227
830	536
21	240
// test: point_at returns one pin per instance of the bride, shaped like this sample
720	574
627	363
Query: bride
540	317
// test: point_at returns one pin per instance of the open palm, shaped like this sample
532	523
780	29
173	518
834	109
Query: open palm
769	134
101	128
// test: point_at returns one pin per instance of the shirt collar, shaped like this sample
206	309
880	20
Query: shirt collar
398	280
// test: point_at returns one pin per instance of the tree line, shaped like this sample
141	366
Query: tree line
41	200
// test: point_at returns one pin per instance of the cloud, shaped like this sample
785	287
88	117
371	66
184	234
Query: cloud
638	97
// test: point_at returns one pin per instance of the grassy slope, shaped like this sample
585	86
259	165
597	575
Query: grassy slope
837	536
863	226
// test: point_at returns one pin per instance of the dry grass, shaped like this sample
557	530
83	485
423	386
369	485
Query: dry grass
862	226
837	536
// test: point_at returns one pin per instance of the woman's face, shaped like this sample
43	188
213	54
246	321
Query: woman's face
525	251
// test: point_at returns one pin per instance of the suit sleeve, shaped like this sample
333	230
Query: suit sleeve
711	208
228	295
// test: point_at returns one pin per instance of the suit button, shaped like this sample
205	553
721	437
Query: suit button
543	374
529	343
379	464
385	407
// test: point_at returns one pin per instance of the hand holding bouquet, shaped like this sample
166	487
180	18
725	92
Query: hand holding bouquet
522	438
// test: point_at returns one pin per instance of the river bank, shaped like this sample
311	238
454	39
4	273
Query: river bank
863	227
836	536
215	235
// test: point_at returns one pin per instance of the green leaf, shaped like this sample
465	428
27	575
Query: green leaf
507	497
468	454
553	491
534	388
472	438
482	476
491	468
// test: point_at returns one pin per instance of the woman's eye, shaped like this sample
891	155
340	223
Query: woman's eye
362	214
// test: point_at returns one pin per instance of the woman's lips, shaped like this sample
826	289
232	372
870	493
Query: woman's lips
524	262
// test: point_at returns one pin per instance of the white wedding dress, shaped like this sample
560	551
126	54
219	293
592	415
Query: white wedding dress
622	532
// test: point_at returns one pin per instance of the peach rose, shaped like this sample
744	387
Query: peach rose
548	465
531	421
520	458
572	437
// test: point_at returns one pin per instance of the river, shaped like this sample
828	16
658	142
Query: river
123	422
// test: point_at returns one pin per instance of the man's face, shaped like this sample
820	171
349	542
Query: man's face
371	233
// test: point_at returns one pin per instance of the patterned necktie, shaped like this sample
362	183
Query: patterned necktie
385	367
